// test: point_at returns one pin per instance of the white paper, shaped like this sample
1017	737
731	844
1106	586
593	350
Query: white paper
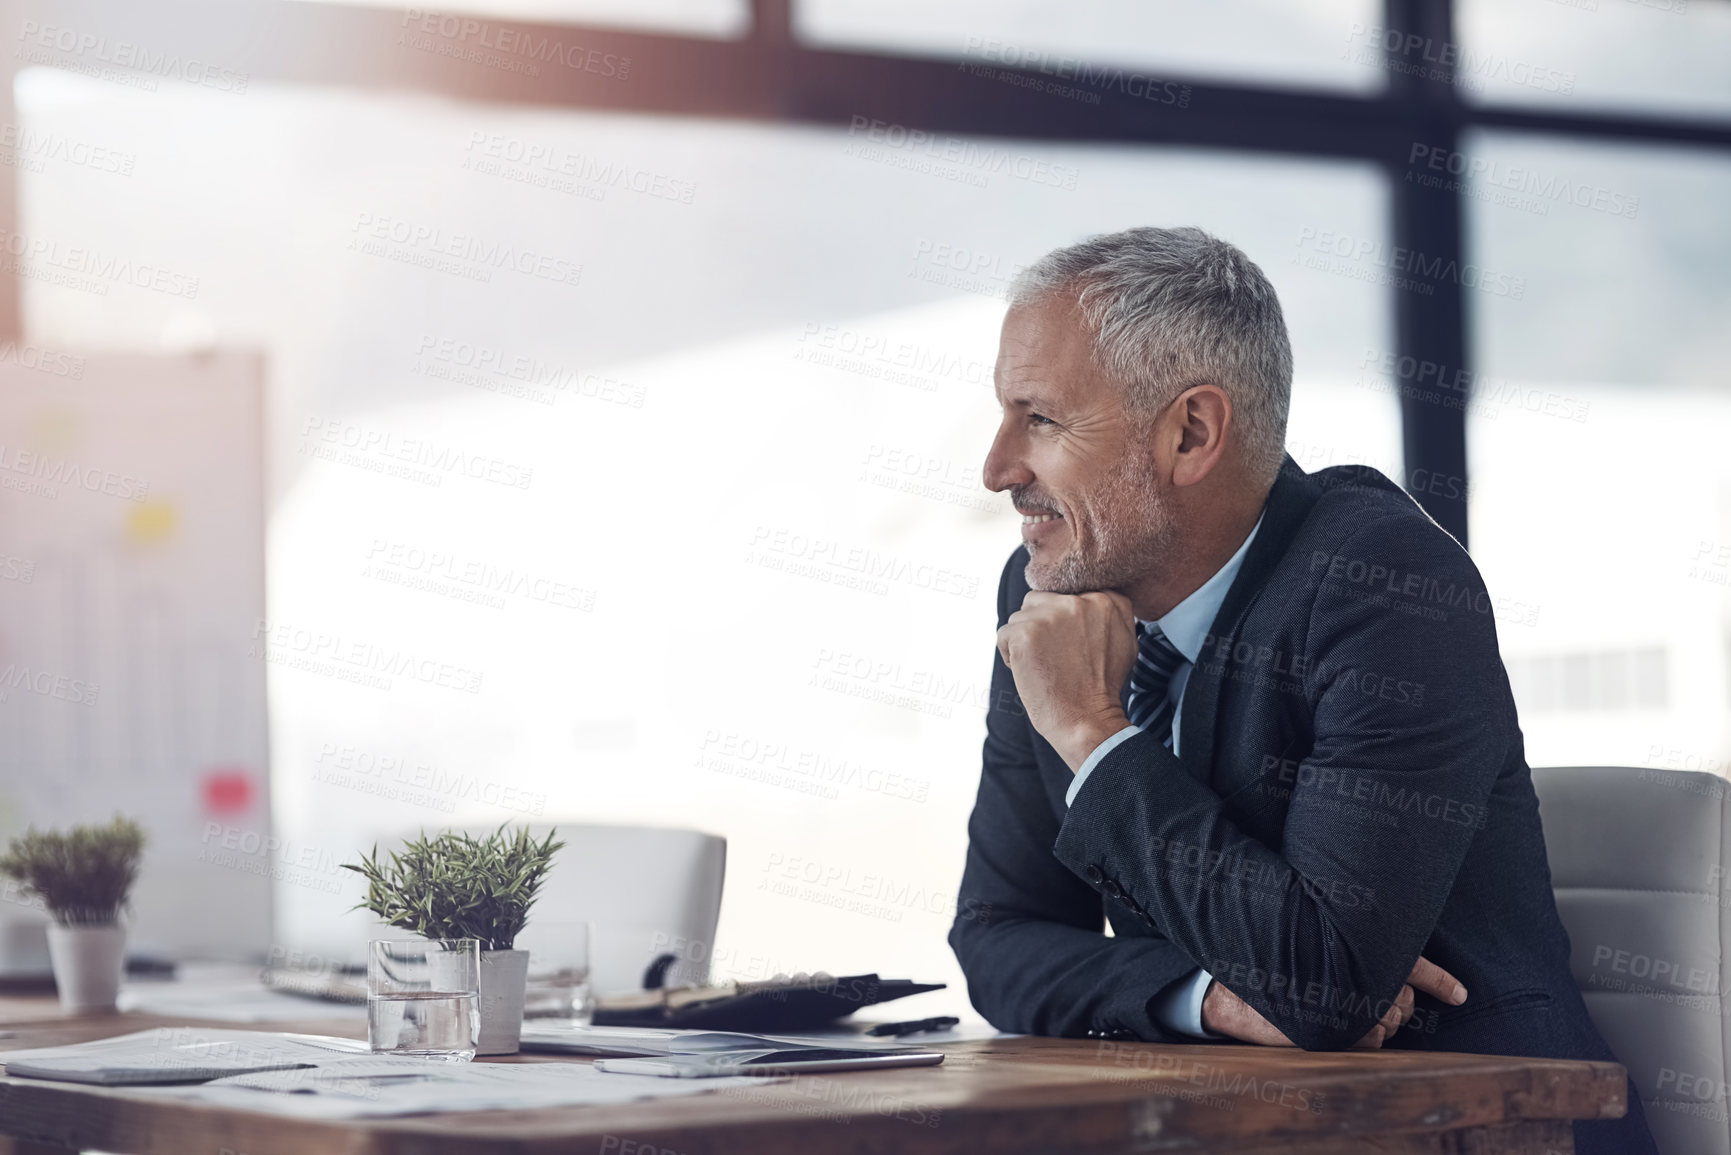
341	1079
228	994
384	1086
191	1052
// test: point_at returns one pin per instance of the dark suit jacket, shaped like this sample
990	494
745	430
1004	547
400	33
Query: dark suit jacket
1352	792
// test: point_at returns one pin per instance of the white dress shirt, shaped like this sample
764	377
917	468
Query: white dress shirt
1186	625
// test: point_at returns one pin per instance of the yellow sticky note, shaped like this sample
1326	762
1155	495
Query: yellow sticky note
152	522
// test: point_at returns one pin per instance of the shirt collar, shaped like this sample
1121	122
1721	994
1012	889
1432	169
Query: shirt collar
1186	624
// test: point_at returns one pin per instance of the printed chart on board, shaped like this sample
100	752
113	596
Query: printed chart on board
131	584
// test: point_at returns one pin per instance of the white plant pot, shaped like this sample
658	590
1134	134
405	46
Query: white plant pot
87	965
504	978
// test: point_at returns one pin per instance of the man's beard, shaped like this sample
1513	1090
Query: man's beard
1130	533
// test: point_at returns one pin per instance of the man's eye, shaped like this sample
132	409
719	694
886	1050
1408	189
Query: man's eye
1038	420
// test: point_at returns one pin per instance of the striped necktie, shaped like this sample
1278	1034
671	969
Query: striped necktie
1156	661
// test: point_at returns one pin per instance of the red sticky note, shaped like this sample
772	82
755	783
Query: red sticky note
227	790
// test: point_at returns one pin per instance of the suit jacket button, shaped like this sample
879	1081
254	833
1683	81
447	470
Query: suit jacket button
1092	874
1113	889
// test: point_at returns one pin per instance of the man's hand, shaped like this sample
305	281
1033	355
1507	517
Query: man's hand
1070	655
1224	1013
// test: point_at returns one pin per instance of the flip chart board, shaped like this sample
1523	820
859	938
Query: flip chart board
131	586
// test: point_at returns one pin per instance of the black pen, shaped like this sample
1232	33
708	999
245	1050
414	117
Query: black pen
917	1026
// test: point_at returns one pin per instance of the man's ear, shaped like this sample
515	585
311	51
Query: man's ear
1203	414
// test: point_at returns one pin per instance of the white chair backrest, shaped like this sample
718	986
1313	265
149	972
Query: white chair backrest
1639	862
648	891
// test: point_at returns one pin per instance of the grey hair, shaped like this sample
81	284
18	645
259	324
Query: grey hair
1169	309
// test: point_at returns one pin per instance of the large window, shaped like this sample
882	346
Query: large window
1623	56
730	564
1601	481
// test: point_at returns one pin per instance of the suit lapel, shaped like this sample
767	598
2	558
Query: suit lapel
1289	503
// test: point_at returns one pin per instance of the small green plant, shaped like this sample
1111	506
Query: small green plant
82	876
458	886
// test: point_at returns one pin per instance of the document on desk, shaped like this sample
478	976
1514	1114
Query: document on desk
567	1037
357	1088
176	1055
320	1077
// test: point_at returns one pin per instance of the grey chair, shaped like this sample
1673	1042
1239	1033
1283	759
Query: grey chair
1639	861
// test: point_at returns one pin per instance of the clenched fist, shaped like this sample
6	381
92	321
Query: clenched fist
1070	655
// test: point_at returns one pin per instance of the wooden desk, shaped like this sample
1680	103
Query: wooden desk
1005	1095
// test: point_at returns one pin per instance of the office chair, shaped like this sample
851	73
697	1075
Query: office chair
1639	861
650	891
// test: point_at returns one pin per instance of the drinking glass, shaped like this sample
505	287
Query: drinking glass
559	981
423	997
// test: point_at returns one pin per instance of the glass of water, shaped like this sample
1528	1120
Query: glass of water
559	982
423	997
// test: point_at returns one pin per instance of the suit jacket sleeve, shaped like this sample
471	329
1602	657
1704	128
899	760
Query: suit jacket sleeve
1412	722
1028	932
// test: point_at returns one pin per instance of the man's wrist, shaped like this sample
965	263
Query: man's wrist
1208	1002
1080	738
1093	760
1178	1008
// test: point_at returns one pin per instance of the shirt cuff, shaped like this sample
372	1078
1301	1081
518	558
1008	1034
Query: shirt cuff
1178	1008
1094	759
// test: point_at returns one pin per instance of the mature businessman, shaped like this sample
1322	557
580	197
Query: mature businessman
1256	718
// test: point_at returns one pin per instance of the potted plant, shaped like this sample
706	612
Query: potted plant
83	877
459	886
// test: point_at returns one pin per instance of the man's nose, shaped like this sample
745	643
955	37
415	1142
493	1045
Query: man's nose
1004	466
